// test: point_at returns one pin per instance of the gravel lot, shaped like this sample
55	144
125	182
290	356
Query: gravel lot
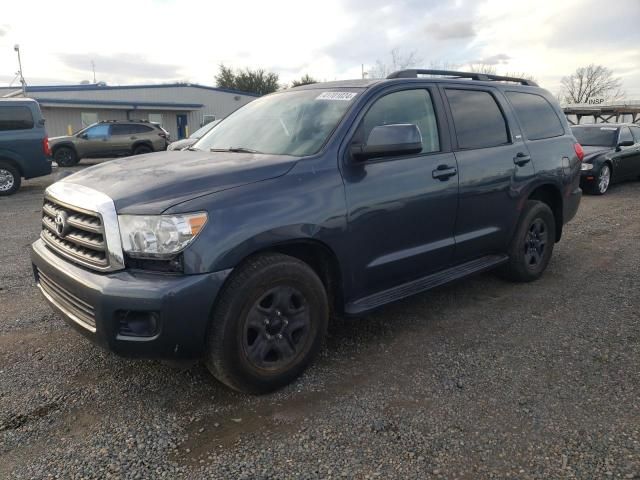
480	379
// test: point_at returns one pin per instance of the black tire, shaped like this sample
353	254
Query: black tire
65	157
142	149
532	244
9	179
256	344
600	187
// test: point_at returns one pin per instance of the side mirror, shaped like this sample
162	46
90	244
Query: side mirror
626	143
84	136
389	141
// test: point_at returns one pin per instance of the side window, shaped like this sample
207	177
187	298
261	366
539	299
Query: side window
99	131
636	133
536	115
406	106
477	118
15	118
121	129
625	135
141	128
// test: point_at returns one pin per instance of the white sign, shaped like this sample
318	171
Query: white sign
344	96
596	101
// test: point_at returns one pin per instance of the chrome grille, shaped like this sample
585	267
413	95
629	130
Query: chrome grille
83	238
76	309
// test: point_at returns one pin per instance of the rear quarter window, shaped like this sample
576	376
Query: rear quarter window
15	117
478	120
537	117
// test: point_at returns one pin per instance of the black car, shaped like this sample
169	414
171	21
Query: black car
332	197
611	154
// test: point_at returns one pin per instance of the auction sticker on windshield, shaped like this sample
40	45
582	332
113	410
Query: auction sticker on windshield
344	96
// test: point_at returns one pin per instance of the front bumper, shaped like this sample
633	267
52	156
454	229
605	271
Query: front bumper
181	304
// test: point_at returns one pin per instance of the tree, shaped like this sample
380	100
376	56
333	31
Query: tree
304	80
589	82
255	81
482	68
398	61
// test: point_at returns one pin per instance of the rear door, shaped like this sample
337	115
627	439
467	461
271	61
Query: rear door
635	131
121	138
494	167
401	210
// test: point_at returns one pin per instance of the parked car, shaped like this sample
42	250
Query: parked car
331	197
612	154
193	138
109	138
24	146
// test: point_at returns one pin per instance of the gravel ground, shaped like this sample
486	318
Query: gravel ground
479	379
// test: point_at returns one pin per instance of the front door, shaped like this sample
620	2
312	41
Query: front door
494	165
182	126
626	158
94	141
401	210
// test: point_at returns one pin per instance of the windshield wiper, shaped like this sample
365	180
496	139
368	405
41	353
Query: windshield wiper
234	150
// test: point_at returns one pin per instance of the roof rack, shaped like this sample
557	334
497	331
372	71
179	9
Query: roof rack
484	77
125	121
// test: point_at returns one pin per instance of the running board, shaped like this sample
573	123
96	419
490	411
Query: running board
425	283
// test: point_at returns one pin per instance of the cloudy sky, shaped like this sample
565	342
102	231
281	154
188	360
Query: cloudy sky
157	41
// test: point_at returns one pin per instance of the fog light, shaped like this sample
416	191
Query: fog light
134	323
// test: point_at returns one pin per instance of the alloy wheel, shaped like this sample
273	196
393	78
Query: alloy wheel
604	179
6	180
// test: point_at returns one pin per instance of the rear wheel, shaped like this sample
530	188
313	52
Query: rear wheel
268	325
532	244
66	157
9	179
142	149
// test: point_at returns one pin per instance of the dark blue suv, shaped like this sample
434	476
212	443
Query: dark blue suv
24	146
328	198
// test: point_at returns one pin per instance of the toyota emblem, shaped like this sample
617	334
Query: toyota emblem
62	226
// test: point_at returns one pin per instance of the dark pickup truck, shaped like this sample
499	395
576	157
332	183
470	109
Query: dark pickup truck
329	198
24	146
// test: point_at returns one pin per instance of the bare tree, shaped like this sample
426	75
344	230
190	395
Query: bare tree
397	61
524	75
589	82
482	68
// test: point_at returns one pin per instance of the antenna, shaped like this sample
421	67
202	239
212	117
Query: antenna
16	48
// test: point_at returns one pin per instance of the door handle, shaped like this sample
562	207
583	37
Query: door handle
521	159
133	138
443	172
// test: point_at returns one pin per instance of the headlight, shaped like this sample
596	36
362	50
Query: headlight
586	166
159	236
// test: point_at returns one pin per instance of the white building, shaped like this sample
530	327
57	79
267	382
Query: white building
180	108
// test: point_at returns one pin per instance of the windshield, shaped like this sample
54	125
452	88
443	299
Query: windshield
290	123
204	129
596	136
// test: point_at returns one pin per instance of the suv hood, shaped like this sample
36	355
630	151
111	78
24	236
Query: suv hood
149	184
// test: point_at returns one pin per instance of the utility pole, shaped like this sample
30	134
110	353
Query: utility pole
16	47
364	74
93	67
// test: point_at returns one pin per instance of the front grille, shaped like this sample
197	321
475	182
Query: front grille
76	309
82	239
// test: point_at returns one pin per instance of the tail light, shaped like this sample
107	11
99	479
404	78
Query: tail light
45	146
579	151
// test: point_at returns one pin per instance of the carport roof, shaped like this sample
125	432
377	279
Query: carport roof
89	87
76	103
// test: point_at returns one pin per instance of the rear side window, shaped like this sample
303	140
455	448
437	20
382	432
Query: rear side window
121	129
140	128
478	120
636	133
536	115
15	118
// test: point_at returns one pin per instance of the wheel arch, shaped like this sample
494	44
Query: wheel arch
551	195
11	161
145	143
57	147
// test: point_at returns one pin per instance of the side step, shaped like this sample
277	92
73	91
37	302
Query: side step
425	283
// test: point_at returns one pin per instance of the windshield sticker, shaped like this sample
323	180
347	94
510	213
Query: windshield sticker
344	96
608	128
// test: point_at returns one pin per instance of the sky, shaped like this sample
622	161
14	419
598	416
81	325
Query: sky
160	41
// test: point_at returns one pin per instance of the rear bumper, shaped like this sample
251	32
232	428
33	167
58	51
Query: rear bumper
180	304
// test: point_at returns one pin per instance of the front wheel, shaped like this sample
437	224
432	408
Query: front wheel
66	157
268	324
532	244
604	180
9	179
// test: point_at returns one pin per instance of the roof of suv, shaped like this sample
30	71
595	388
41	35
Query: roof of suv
611	125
